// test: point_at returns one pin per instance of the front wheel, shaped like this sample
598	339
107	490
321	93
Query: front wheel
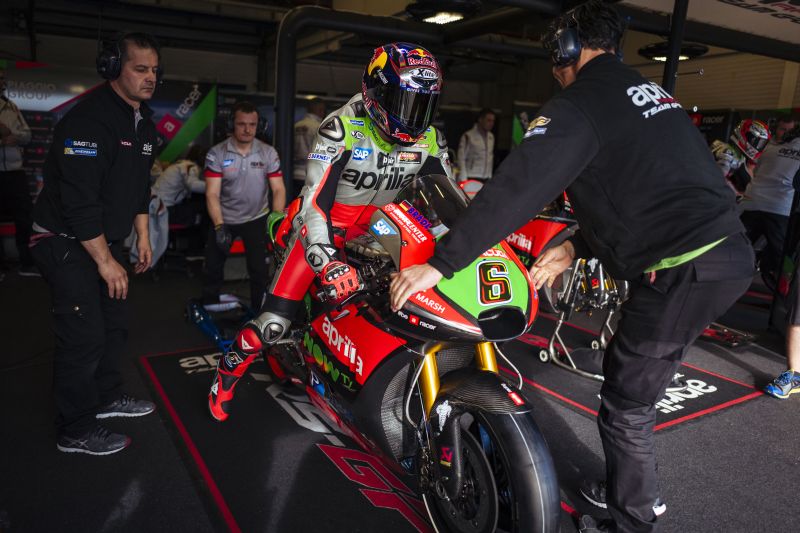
509	480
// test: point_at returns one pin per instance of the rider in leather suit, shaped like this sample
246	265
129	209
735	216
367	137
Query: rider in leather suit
364	153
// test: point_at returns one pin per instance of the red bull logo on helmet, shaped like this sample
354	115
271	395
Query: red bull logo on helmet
419	57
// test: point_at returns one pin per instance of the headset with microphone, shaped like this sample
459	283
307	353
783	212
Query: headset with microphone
109	58
566	46
261	127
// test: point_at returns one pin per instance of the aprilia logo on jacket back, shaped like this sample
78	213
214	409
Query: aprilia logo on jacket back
652	95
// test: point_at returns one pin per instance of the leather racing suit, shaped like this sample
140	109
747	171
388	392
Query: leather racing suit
350	173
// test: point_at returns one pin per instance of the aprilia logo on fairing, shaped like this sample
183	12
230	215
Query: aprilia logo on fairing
651	94
342	345
394	179
521	241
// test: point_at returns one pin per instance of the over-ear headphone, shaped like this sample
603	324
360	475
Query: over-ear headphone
261	127
567	47
109	58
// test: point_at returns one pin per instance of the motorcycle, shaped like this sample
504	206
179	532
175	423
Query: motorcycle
421	387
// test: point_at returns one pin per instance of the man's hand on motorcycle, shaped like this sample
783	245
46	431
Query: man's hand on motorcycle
339	280
551	264
410	280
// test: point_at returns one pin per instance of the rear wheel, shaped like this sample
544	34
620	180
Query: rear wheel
509	480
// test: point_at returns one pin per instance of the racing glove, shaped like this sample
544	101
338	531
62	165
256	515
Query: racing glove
223	237
339	280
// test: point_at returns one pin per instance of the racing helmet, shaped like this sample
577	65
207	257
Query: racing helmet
400	88
751	137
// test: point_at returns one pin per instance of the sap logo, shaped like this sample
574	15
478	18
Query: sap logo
370	180
429	303
521	241
380	227
343	345
648	93
361	154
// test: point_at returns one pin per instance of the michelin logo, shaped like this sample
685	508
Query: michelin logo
361	154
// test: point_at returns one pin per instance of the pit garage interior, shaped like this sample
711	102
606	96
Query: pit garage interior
726	451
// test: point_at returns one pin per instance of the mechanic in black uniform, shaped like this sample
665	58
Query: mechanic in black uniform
96	186
651	207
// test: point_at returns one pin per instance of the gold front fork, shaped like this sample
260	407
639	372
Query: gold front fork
485	359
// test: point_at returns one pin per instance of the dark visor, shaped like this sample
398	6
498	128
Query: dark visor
756	141
415	111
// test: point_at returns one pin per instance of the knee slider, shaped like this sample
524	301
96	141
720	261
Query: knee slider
271	327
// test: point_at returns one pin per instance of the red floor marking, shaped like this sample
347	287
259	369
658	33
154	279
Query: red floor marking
760	295
709	410
193	451
720	376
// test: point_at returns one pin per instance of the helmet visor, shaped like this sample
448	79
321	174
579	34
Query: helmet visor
756	141
412	109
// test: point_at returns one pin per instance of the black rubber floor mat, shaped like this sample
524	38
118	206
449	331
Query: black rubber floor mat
277	464
708	392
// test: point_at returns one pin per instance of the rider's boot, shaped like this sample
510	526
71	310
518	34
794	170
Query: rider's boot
267	328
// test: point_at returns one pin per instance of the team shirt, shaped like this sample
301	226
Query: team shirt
772	188
245	192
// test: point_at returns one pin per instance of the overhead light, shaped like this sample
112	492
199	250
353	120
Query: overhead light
660	51
443	11
443	17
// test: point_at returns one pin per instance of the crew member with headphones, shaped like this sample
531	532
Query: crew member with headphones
243	180
651	207
96	186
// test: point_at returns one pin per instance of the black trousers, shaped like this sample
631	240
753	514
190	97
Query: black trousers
91	330
254	236
15	198
659	321
773	227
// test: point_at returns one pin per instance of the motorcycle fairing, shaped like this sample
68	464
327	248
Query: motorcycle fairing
357	344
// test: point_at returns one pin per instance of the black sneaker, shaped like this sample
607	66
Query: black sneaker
590	524
29	271
97	441
126	406
678	384
595	493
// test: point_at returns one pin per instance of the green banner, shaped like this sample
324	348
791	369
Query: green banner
202	118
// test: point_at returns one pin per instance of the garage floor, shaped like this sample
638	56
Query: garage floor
726	465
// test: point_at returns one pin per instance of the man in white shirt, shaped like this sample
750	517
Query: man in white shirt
476	149
15	195
304	132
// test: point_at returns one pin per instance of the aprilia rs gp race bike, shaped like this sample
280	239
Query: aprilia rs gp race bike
421	388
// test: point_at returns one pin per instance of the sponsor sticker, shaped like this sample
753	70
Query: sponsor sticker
535	131
361	154
226	163
147	149
537	122
319	157
125	143
355	122
413	158
380	227
83	148
357	134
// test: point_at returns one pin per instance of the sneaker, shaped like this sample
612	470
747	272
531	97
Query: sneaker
127	407
29	271
678	384
784	385
595	493
97	441
589	524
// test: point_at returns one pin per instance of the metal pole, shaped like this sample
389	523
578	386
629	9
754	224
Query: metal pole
675	41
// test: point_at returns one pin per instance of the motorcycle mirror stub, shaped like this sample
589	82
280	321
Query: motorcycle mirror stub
502	323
